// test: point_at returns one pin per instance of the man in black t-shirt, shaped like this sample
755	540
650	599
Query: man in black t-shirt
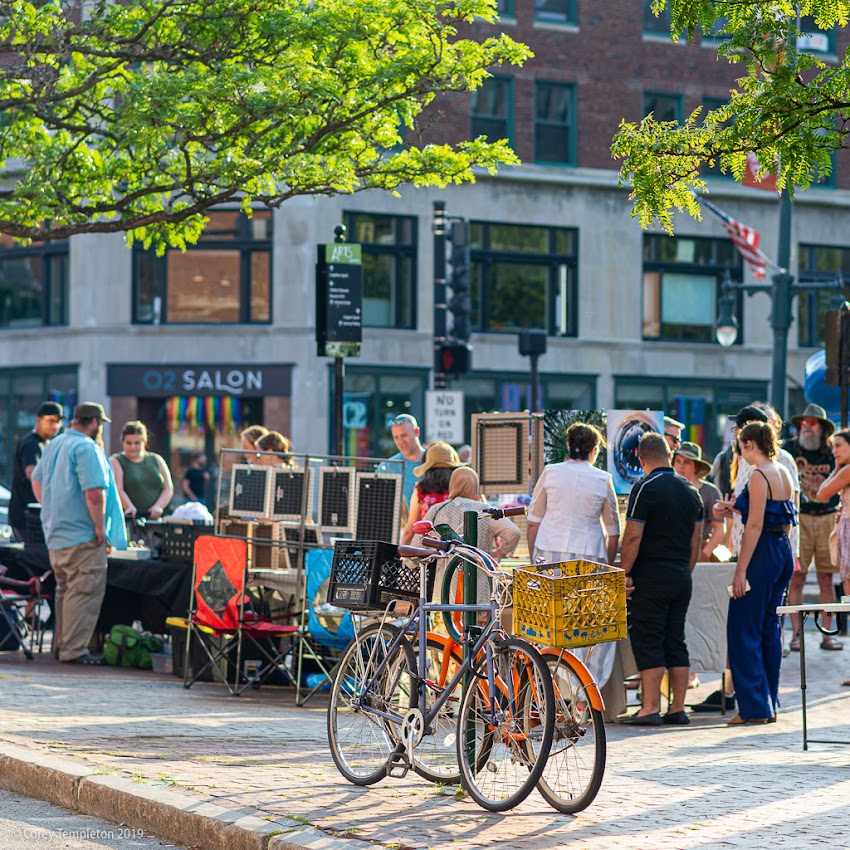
28	452
196	479
660	548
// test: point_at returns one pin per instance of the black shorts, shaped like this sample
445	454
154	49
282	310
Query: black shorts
656	623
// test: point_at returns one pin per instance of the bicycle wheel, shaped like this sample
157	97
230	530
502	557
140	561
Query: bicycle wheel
435	756
503	737
573	773
361	740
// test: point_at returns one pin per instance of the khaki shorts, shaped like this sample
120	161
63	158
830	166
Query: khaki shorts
814	542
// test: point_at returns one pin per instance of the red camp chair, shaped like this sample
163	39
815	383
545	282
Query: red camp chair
20	610
222	617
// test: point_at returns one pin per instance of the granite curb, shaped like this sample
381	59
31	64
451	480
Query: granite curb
168	813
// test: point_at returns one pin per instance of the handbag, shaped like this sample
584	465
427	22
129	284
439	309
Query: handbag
127	647
834	553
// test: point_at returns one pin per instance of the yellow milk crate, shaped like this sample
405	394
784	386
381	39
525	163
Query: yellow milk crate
569	604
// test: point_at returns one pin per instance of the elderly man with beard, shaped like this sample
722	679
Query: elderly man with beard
812	450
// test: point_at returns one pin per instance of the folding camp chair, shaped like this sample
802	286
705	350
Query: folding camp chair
20	610
222	618
324	628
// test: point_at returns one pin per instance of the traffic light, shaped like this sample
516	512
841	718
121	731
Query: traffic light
460	303
453	358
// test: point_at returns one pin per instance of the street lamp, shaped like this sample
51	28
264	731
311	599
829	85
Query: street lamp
781	290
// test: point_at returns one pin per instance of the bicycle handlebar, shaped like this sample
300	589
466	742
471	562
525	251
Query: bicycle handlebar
436	543
498	513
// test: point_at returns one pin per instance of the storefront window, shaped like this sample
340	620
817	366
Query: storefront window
373	398
21	392
224	279
704	406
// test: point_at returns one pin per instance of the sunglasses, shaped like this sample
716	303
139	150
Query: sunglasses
810	421
675	439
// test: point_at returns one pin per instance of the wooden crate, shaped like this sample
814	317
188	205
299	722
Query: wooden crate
265	549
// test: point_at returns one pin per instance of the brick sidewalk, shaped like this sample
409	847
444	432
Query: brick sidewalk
704	786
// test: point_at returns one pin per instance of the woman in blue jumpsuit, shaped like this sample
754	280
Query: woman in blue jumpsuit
765	563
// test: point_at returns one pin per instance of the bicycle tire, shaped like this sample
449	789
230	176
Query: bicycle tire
361	742
435	756
503	742
575	767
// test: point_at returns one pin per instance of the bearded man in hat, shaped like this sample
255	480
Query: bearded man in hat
812	451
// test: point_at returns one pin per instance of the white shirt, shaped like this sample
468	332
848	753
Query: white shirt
573	501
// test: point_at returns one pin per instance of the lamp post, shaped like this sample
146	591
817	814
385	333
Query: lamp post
782	290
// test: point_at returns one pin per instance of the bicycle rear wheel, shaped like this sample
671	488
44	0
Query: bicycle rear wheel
367	702
503	737
573	772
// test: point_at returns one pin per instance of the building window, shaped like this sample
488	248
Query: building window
511	393
33	284
22	390
812	39
389	268
820	262
372	398
493	109
681	286
505	8
523	276
555	11
704	405
223	279
664	107
555	125
657	26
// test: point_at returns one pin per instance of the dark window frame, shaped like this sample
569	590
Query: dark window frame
569	15
508	119
813	304
482	257
47	252
654	263
243	242
571	126
402	252
678	97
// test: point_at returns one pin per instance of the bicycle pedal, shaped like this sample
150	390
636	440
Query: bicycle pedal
398	764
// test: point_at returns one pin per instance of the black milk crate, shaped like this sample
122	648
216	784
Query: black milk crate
178	541
369	574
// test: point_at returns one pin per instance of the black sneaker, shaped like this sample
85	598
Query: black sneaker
89	658
713	703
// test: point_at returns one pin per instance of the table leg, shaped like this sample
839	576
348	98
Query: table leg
803	615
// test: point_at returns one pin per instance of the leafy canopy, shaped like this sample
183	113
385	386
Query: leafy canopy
789	106
140	116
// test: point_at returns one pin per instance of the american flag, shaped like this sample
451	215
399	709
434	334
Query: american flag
745	239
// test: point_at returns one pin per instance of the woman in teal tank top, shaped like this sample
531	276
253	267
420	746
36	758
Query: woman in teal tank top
144	482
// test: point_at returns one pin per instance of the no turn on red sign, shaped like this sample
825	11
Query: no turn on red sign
444	415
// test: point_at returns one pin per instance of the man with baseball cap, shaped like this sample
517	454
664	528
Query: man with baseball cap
48	421
72	481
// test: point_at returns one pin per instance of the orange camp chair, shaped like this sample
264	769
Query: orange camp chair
222	618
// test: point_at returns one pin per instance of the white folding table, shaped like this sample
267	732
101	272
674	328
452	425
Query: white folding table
804	611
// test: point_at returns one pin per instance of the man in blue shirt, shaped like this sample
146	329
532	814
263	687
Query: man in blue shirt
405	431
72	481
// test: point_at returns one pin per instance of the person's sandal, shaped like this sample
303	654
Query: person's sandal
794	646
829	642
737	720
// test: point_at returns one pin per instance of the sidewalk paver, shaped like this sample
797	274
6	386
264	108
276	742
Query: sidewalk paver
200	767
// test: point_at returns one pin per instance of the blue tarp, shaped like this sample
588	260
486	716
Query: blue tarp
816	390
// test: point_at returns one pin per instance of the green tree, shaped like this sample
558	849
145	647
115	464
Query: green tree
138	116
789	106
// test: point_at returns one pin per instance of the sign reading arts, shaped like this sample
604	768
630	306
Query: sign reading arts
444	412
198	380
339	300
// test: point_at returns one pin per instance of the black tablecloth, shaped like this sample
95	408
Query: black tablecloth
149	591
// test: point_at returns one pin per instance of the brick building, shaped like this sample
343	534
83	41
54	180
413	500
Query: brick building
629	315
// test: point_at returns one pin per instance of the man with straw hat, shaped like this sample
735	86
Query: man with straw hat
812	451
689	463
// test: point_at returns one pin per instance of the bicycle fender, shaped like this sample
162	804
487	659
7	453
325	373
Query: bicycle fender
593	692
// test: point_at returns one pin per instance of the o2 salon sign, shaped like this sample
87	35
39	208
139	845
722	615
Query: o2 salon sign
199	380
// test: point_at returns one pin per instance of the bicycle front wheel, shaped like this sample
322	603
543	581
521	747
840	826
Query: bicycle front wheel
505	729
573	773
372	690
